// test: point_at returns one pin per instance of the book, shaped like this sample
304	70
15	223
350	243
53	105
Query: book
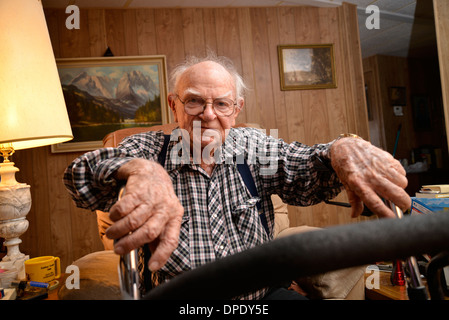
431	195
429	205
436	188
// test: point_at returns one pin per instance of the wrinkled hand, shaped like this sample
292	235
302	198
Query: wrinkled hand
148	212
369	173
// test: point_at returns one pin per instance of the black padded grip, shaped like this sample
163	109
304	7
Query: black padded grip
310	253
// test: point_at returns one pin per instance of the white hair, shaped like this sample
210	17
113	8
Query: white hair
226	63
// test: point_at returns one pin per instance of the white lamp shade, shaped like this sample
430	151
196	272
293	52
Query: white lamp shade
32	106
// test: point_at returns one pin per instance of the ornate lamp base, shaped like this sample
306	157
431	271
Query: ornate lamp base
15	203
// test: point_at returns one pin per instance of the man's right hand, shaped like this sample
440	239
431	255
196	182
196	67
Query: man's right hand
148	212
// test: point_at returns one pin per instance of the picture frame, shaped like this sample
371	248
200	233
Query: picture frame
105	94
398	96
307	67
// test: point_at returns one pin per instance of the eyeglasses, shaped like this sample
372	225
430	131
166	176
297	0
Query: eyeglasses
195	105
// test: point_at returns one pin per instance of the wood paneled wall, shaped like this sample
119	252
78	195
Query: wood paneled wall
249	36
441	10
381	73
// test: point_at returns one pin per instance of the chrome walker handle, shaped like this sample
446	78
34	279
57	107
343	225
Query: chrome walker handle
128	271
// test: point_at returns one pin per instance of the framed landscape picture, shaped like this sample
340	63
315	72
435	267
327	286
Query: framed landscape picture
106	94
307	66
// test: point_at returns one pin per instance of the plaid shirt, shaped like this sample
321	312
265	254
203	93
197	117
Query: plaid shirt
221	217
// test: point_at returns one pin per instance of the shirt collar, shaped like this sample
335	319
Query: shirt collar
228	153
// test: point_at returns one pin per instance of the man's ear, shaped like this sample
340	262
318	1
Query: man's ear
239	106
172	104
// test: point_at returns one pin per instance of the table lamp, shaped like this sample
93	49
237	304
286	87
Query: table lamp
32	111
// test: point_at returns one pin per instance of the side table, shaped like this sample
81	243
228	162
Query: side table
386	290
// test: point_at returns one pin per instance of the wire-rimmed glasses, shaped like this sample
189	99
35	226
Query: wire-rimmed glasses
195	105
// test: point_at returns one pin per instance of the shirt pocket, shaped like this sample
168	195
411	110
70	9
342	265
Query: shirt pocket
248	204
247	221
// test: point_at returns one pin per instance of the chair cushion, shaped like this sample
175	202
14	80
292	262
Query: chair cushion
339	284
281	221
98	278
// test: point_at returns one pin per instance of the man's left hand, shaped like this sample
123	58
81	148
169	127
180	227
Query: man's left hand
368	175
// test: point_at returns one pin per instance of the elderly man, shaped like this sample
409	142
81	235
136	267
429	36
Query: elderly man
198	209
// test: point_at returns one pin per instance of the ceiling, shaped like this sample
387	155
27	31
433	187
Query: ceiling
406	26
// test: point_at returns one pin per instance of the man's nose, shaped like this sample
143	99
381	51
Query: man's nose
208	113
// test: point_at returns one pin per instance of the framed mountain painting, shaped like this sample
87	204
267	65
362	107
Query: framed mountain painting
111	93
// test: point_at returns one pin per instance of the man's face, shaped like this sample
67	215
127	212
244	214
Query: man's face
209	81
